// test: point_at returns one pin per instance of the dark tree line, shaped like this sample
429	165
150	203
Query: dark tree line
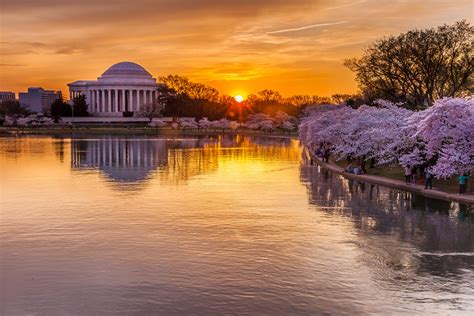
79	107
419	66
186	98
10	108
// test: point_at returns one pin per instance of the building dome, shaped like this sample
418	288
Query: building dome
128	74
127	69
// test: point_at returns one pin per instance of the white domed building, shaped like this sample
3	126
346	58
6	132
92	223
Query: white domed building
122	88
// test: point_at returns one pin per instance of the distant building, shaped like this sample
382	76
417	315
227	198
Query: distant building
7	96
38	99
124	87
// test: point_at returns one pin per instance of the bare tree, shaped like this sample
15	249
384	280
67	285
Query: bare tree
177	83
305	100
182	85
201	91
419	66
268	95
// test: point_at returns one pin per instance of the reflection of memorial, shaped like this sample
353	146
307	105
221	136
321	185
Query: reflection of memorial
415	227
131	160
123	160
176	160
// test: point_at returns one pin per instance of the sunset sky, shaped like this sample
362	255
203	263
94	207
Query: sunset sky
238	47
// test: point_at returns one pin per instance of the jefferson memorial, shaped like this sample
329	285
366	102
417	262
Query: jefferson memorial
124	87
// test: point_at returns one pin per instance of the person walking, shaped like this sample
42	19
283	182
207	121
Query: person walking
428	180
414	175
407	174
462	180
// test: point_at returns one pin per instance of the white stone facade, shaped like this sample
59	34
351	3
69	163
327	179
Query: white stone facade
123	87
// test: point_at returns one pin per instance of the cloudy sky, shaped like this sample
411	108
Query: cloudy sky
239	46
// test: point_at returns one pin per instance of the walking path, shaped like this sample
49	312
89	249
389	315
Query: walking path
419	189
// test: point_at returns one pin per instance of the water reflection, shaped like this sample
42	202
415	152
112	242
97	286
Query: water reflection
123	160
410	234
133	160
217	225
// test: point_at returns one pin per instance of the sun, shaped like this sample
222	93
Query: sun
239	98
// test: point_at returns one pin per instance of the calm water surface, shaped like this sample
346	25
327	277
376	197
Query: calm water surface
235	225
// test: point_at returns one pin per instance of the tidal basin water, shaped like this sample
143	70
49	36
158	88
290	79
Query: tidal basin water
100	225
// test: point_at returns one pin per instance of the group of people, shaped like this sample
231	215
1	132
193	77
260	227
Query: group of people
358	169
411	176
411	173
323	152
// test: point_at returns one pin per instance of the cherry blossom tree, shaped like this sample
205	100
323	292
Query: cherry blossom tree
260	121
9	121
204	123
222	124
157	123
323	127
151	110
375	132
285	121
33	120
288	126
444	135
188	122
233	125
440	138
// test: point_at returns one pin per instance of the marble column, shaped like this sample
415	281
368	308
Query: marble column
89	100
130	104
94	100
96	107
97	100
137	108
109	91
116	100
104	100
138	99
124	96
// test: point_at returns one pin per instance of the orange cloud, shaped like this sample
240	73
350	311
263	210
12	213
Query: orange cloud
296	47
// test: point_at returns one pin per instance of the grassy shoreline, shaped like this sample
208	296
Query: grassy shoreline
133	130
396	173
388	179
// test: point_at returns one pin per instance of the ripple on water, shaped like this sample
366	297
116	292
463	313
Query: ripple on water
217	225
